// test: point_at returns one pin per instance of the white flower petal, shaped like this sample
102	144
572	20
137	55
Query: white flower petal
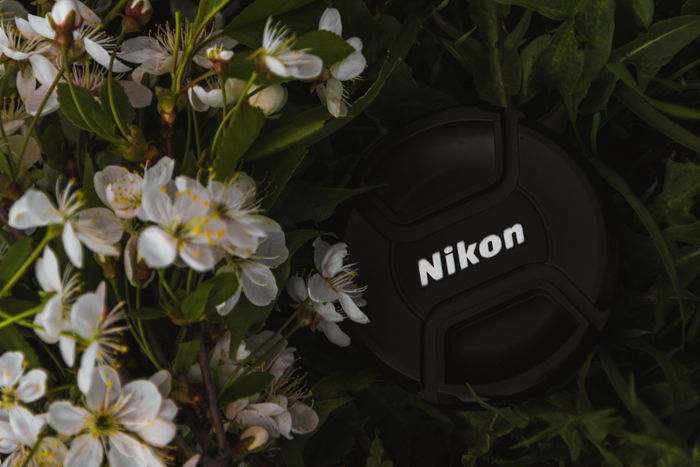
320	249
87	374
304	418
138	94
334	333
99	229
32	386
333	260
67	419
41	26
25	426
85	451
284	424
352	310
327	312
142	405
270	100
192	461
72	246
11	368
8	442
158	432
163	381
33	209
330	21
50	320
296	288
225	308
44	71
258	283
67	347
320	290
126	445
350	67
86	314
157	248
101	56
104	388
47	273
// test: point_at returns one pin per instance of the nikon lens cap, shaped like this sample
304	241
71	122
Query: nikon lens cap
487	255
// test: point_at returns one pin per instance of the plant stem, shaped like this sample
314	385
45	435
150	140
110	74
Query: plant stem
21	316
110	86
51	233
214	410
230	113
114	12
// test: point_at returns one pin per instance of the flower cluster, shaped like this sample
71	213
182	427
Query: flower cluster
331	292
139	238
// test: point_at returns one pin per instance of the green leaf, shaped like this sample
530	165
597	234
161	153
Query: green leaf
15	338
276	171
14	258
195	304
186	355
532	74
330	47
84	112
224	286
88	183
646	112
288	131
552	9
681	186
242	318
248	25
305	202
563	63
637	409
243	129
642	11
654	48
247	385
123	113
376	453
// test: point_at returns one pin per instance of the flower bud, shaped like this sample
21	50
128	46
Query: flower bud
220	58
255	437
138	13
64	18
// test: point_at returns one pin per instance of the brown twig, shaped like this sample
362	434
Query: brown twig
214	411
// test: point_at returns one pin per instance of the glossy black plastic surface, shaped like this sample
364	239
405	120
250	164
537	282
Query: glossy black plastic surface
487	254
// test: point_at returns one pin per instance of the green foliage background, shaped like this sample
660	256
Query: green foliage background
619	80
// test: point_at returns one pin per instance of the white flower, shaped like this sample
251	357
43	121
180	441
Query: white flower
116	419
122	190
254	273
19	431
235	204
269	99
202	99
255	437
17	388
99	331
98	44
280	357
279	411
184	229
54	317
154	53
13	115
281	60
331	91
333	283
51	452
96	228
218	49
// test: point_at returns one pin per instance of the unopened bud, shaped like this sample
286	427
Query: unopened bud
139	12
109	268
220	58
64	18
255	438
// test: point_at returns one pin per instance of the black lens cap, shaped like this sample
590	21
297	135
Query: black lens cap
487	254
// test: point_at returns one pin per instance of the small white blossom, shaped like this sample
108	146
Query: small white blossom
55	316
333	283
154	54
185	229
114	419
17	389
331	91
97	43
204	98
51	452
96	228
281	60
99	331
122	191
65	10
255	278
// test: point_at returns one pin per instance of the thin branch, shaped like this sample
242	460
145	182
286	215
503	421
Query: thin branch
214	411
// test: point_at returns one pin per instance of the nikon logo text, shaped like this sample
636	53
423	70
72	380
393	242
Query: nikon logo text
488	247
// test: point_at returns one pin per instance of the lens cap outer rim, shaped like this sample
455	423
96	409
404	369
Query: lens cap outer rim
568	255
